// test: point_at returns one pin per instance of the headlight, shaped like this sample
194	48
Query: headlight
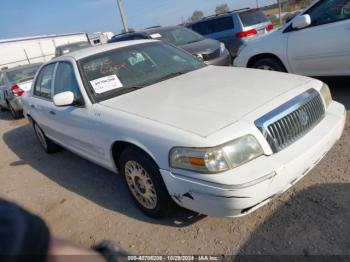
222	48
326	95
216	159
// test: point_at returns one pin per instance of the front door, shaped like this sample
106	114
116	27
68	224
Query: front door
72	124
323	48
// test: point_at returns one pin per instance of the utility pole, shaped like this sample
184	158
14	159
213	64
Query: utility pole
122	15
280	11
257	4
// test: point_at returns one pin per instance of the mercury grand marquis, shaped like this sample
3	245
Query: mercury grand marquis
221	141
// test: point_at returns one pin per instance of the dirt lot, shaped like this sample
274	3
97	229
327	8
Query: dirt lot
86	204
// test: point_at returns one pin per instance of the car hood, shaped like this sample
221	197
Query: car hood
205	46
206	100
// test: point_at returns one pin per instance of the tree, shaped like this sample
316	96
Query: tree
197	15
220	9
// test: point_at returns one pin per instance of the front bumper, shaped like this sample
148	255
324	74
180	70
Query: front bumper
223	60
240	61
277	173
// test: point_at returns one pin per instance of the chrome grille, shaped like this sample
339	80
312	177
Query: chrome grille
289	122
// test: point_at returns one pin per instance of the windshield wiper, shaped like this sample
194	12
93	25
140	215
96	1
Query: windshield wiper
193	41
128	89
132	87
174	74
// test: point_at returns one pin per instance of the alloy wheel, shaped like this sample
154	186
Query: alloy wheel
140	184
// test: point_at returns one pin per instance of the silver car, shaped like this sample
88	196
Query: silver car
14	82
233	28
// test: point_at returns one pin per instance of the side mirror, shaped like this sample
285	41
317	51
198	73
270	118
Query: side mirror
301	22
64	99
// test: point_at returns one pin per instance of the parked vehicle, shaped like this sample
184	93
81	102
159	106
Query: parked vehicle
314	43
233	28
65	49
14	83
129	36
179	130
210	51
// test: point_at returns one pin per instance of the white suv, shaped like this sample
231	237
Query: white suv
314	43
218	140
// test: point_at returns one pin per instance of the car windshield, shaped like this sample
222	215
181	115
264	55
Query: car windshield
22	74
177	36
253	17
122	70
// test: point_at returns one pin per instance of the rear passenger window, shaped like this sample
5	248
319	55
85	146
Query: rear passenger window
42	86
214	26
2	81
65	80
254	17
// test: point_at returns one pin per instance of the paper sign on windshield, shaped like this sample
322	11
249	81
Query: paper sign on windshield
105	84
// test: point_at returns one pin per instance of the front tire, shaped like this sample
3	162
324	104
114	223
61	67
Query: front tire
46	143
270	64
145	183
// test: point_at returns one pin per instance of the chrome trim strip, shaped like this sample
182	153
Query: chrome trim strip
282	126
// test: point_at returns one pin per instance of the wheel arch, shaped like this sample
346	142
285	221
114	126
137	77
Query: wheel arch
119	146
257	57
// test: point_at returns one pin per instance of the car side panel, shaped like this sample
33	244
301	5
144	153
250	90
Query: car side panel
321	50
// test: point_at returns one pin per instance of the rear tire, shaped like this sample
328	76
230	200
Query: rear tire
145	183
270	64
15	114
46	143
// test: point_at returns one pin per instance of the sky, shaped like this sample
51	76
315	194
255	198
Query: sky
20	18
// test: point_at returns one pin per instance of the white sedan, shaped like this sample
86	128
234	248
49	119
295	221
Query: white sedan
314	43
219	141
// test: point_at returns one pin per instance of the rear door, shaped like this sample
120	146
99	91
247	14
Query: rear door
2	90
221	29
323	48
41	100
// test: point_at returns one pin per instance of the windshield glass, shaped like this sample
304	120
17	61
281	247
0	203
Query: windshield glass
22	74
253	17
178	36
116	72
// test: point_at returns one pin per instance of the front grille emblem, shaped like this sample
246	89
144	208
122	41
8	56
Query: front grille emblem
303	118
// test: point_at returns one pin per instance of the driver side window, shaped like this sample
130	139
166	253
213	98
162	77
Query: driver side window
65	81
329	11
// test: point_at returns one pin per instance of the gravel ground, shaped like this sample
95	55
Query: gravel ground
86	204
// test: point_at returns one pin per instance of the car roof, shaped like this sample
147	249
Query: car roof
229	13
86	52
127	33
160	28
73	44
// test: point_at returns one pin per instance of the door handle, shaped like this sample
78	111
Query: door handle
53	113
